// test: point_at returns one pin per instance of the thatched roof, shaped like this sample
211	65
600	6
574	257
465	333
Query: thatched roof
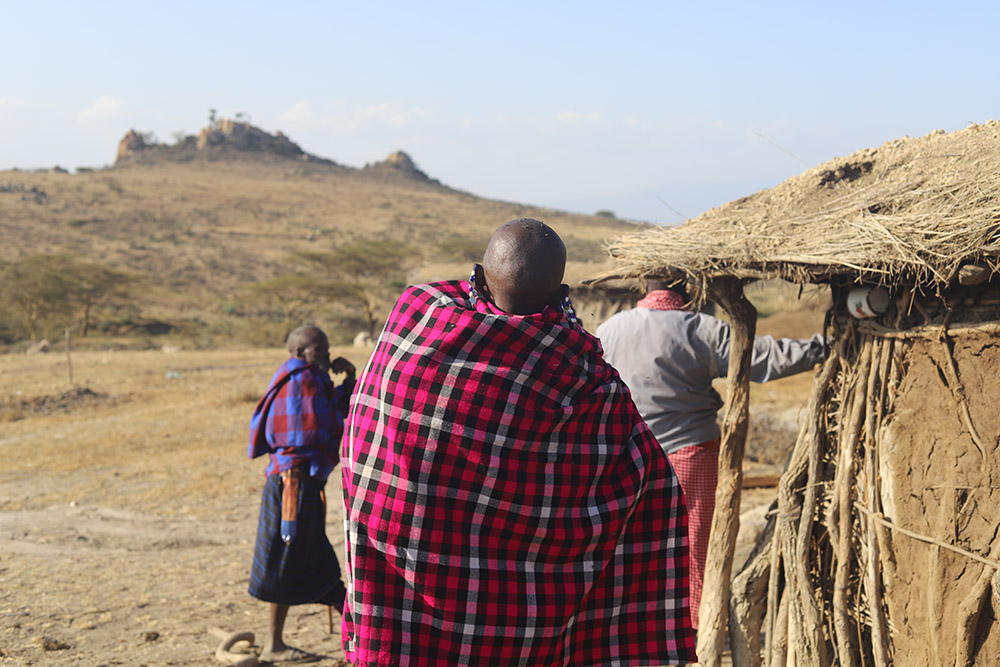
911	210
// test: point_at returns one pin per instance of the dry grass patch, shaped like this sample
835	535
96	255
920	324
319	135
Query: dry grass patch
199	233
148	430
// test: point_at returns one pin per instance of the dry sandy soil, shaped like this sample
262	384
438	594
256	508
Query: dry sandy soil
128	514
128	507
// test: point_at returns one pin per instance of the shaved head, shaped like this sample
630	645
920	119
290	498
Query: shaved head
523	266
310	344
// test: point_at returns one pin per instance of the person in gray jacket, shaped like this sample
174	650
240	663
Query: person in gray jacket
668	357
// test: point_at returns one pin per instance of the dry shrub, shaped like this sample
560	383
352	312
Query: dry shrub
242	397
11	415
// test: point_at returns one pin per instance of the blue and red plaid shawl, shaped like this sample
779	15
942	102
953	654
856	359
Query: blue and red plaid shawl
299	420
505	503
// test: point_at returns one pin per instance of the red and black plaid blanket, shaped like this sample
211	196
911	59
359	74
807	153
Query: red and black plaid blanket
505	503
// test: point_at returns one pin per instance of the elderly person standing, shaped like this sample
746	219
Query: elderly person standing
668	357
298	423
506	505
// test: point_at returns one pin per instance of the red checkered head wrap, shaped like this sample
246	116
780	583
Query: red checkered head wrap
663	299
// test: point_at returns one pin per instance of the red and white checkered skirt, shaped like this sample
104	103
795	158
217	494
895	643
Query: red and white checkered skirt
697	470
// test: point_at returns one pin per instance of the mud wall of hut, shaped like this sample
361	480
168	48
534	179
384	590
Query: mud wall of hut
883	545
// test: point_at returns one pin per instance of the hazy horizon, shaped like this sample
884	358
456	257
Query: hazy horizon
653	111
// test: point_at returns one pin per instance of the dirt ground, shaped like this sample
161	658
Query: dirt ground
128	510
128	507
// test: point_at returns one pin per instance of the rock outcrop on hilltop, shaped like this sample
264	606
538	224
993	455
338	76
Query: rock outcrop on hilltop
398	162
246	137
403	162
225	137
131	144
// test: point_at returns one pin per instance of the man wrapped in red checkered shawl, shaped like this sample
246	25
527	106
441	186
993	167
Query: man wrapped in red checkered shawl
505	503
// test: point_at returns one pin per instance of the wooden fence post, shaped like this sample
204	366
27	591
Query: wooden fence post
713	617
69	359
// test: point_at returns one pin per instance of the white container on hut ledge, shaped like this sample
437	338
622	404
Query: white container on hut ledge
867	301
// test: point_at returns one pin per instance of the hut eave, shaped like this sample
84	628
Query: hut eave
912	210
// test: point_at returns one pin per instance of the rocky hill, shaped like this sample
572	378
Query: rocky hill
228	139
201	222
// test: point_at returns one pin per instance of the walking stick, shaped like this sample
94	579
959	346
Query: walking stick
329	609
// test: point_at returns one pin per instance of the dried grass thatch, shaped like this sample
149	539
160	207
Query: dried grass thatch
912	210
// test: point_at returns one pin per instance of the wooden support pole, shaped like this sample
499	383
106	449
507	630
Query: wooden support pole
713	616
749	601
850	428
873	572
805	641
69	358
789	511
777	651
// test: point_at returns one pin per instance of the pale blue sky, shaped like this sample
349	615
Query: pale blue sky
574	105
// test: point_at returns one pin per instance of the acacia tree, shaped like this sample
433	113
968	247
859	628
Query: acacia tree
293	297
95	286
35	294
366	273
47	293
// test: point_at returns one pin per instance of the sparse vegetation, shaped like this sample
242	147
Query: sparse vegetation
366	275
289	299
45	294
584	250
181	138
462	248
205	233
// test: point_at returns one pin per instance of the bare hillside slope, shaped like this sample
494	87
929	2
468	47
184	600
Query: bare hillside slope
198	228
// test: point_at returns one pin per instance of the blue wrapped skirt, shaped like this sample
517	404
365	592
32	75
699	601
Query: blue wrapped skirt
305	571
